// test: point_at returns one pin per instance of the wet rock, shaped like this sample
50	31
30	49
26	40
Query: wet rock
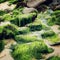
29	10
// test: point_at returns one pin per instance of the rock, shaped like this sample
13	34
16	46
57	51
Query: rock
5	6
34	3
57	7
29	10
56	1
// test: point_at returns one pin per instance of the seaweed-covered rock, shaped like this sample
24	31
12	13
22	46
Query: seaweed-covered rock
55	40
30	51
24	30
8	31
55	18
23	19
12	15
48	34
26	38
35	26
57	13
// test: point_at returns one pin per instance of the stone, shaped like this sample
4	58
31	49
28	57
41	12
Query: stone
29	10
34	3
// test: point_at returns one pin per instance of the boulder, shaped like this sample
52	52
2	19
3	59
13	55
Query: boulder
34	3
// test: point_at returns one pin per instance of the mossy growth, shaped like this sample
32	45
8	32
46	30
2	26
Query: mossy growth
26	38
21	20
2	12
52	20
55	18
17	11
47	34
54	58
35	26
51	36
1	1
1	45
1	19
5	17
8	31
30	51
54	39
10	1
57	13
23	30
18	18
48	17
13	14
